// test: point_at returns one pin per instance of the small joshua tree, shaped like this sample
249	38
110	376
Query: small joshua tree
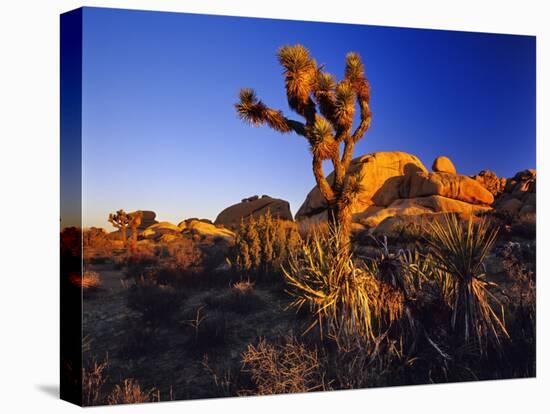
134	221
120	220
328	108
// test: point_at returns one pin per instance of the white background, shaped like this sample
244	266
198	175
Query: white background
29	194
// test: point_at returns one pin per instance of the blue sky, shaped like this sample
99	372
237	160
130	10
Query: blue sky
160	131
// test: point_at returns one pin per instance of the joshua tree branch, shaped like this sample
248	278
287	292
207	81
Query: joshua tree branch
322	182
255	112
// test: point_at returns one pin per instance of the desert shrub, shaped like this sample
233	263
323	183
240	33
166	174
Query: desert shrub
521	316
206	329
138	261
184	253
156	303
139	339
226	380
525	227
239	298
284	368
130	392
406	232
262	246
459	249
349	303
93	379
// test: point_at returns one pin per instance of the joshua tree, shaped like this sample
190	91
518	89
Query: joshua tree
120	221
328	108
134	221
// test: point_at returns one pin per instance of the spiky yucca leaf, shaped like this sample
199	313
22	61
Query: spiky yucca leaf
344	104
321	139
300	75
460	249
349	302
256	113
355	71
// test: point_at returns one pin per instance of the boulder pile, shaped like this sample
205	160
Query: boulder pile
519	194
397	187
253	207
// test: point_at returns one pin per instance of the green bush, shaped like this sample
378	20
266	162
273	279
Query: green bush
262	246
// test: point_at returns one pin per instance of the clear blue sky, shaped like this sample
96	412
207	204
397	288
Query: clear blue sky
160	131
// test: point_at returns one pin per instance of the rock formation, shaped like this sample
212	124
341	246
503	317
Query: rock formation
253	206
519	194
382	174
207	230
397	187
156	230
490	181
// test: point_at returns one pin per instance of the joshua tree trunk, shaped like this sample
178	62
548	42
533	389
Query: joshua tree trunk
123	234
339	220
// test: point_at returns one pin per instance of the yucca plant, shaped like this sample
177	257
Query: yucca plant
328	109
350	304
459	249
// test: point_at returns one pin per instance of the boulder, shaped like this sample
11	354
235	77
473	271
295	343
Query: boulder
490	181
208	230
444	165
420	208
382	174
155	231
147	219
255	207
456	187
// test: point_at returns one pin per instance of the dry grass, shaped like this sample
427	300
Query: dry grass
286	368
93	380
89	280
130	392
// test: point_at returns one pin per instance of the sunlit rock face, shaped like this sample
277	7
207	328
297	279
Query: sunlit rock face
443	164
490	181
254	206
398	187
382	174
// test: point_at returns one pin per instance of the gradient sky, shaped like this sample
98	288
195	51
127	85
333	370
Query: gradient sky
160	131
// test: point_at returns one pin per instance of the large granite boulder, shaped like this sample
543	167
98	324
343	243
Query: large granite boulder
253	207
444	165
382	174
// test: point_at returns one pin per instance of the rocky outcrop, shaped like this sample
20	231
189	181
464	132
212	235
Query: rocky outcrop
419	209
490	181
147	219
157	230
520	194
456	187
382	174
206	230
444	165
253	207
397	186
